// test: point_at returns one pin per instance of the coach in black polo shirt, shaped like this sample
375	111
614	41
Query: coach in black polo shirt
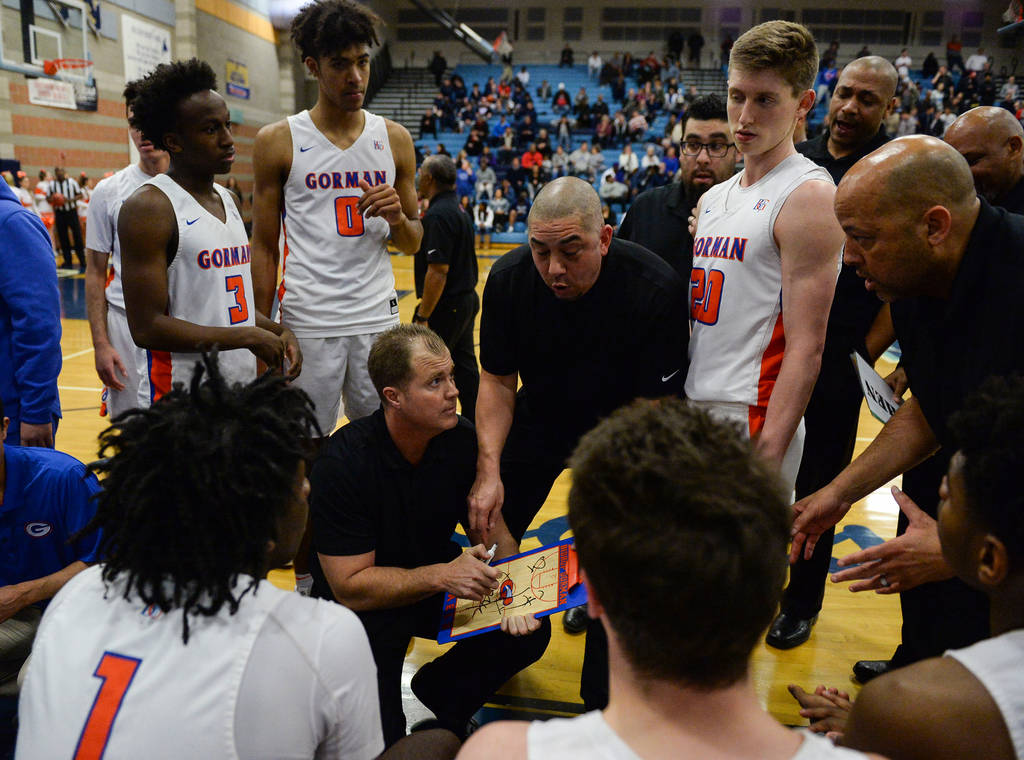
386	494
446	274
658	219
863	97
950	264
587	323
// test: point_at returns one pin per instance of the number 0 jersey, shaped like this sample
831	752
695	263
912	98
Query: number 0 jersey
337	277
208	283
738	338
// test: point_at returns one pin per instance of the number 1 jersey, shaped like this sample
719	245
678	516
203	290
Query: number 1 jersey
337	277
738	338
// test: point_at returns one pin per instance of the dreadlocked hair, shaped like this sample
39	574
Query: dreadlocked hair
157	96
326	27
194	486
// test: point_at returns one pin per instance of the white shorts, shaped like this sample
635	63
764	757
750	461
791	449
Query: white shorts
747	418
335	368
134	360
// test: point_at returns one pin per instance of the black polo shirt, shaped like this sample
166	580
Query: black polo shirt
447	239
579	360
853	308
365	496
1013	201
658	219
951	346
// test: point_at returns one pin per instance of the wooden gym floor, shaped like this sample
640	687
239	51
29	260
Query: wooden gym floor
851	626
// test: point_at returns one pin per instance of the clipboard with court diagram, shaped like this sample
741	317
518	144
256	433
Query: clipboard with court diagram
538	582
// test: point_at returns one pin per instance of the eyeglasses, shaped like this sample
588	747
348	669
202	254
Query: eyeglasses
716	149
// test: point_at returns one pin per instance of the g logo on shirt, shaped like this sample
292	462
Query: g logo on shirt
38	529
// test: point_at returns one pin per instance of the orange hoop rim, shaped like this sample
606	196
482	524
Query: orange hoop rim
71	63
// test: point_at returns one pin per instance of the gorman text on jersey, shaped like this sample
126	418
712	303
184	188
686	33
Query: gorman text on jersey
341	180
720	247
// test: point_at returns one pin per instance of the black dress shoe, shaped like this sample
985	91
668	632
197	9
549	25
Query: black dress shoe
788	631
575	619
865	670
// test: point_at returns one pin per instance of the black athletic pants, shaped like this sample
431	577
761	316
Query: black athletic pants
68	220
452	319
456	684
830	423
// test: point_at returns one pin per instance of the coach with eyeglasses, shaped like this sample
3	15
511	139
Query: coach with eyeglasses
658	218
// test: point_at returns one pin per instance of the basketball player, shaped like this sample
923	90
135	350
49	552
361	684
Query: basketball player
187	284
172	646
679	499
766	254
343	179
120	364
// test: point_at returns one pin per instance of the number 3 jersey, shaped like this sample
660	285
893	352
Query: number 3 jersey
337	277
208	283
738	338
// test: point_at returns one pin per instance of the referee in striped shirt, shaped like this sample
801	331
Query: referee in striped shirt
66	216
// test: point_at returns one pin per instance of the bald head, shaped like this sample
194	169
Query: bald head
876	66
565	198
992	141
910	175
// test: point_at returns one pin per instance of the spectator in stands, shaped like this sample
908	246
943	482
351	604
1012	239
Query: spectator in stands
987	90
561	102
628	160
581	108
908	123
976	61
441	150
944	121
500	207
543	144
483	220
604	133
491	89
559	163
929	66
465	179
619	89
523	76
535	183
596	163
498	130
518	210
579	160
459	91
566	57
563	132
903	63
938	96
474	144
650	158
428	123
544	91
532	157
637	126
954	54
725	47
1008	93
695	43
620	127
671	161
437	66
612	190
525	131
594	65
609	217
485	180
517	177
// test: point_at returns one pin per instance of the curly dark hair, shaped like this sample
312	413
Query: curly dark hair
194	486
708	107
158	95
989	432
325	27
682	531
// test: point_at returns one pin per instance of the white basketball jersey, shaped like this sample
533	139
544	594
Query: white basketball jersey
101	225
337	277
129	687
738	338
208	283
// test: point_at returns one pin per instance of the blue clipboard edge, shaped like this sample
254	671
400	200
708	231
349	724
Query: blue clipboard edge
577	596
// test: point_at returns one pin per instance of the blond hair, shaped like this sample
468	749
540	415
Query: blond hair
784	47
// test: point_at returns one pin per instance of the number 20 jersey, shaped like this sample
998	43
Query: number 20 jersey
337	277
209	283
738	338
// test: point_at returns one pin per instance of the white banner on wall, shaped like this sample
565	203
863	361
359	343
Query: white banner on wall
51	92
145	46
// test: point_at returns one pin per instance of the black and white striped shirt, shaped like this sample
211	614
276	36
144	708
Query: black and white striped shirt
69	189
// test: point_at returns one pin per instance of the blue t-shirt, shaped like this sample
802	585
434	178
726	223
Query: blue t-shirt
47	498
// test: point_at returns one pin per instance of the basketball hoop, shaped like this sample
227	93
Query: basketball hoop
77	72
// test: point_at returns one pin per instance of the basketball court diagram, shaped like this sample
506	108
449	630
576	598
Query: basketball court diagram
538	582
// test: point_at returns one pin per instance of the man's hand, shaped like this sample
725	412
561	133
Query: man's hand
827	709
812	516
897	380
37	435
268	347
292	353
468	576
900	563
485	500
519	625
380	200
108	365
12	600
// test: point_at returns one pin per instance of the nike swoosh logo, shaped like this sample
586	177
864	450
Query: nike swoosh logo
707	211
303	150
666	378
193	221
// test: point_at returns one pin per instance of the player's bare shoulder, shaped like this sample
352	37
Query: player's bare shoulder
273	146
401	141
